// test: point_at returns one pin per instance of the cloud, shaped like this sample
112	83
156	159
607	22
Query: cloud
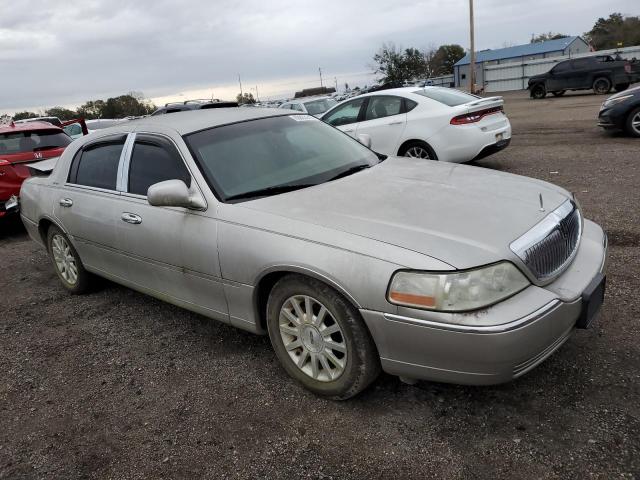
63	53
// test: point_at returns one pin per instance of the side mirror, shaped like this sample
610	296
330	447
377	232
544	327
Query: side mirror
173	193
365	139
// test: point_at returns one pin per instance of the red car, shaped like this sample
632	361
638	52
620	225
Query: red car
23	145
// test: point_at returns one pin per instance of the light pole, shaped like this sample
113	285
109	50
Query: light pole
472	63
320	71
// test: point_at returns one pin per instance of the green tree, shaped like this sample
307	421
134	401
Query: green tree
61	112
614	31
246	98
543	37
125	106
24	115
444	58
91	109
397	66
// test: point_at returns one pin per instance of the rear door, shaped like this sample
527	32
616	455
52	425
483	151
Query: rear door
580	76
88	202
384	120
171	251
346	116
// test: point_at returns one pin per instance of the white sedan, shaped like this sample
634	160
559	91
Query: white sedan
434	123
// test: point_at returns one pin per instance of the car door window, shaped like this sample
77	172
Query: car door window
96	165
561	67
154	159
297	107
383	106
345	114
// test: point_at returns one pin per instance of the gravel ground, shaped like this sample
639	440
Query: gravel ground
119	385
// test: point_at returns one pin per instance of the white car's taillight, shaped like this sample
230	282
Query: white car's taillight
473	117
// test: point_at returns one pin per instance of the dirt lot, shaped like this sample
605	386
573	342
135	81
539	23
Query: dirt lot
119	385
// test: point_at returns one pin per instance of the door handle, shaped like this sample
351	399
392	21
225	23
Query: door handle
66	202
348	131
131	218
395	123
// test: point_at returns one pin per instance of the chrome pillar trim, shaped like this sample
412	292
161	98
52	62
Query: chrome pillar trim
123	165
505	327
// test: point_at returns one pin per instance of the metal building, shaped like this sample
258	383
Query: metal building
519	54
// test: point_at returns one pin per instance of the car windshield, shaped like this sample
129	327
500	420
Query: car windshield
32	141
448	96
316	107
271	154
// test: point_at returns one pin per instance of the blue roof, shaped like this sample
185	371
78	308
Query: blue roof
519	50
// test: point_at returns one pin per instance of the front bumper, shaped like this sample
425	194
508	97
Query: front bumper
528	328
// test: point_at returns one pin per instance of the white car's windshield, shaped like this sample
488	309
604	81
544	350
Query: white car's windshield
448	96
271	155
316	107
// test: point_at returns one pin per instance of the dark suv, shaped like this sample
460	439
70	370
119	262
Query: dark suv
193	105
599	73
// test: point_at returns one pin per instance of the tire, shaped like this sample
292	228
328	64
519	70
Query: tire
632	125
67	263
621	87
559	93
538	92
601	85
418	149
346	360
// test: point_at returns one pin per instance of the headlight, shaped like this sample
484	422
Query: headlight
614	101
456	291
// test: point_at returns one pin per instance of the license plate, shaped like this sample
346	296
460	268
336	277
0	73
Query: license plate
592	299
499	136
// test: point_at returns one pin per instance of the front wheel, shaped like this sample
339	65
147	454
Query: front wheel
538	92
601	86
633	123
66	262
320	338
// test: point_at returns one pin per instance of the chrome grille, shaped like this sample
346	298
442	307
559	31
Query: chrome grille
549	247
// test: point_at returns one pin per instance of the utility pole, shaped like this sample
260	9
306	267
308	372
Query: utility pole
240	82
335	80
257	96
320	71
472	64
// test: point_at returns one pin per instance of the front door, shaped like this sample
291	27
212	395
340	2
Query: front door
345	117
171	251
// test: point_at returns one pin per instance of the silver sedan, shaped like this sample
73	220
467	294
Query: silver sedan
351	261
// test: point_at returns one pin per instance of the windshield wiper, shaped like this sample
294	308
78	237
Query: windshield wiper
275	190
350	171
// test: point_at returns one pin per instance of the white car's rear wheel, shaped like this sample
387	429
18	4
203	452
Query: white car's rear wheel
66	262
418	150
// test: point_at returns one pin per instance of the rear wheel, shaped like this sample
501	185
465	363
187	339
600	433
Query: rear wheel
419	150
559	93
602	85
633	123
66	262
621	87
538	92
320	338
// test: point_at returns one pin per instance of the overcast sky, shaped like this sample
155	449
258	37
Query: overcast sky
66	52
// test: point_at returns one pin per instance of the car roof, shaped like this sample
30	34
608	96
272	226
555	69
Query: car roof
27	126
191	121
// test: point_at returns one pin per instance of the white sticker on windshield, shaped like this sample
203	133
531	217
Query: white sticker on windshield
302	118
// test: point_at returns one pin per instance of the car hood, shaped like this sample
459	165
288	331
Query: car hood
464	216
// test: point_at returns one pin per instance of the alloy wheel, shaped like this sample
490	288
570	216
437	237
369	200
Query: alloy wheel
64	260
635	123
418	152
312	337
